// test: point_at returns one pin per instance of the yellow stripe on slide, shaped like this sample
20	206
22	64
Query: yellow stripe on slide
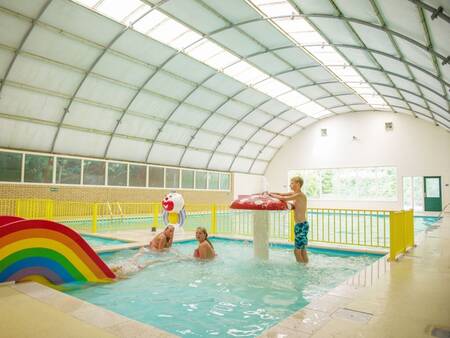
31	243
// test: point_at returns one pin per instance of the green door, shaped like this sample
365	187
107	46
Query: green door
432	193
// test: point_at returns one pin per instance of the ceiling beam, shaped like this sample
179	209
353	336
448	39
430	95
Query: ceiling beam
435	12
399	52
334	17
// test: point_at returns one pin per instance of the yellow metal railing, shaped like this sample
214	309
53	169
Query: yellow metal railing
349	227
34	208
401	233
334	226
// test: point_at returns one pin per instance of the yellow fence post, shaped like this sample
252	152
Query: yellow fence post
409	229
401	230
17	210
49	209
393	224
94	217
155	215
292	226
213	219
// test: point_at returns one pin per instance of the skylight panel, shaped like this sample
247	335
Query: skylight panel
148	22
327	55
203	50
365	91
237	68
161	27
310	108
251	76
293	98
359	85
276	8
295	25
308	38
381	107
321	114
167	31
373	99
222	60
347	74
272	87
87	3
332	58
118	10
343	71
185	40
136	14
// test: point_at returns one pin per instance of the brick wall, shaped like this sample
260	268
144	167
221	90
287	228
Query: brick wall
104	194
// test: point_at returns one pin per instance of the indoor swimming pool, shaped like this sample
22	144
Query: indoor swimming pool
233	295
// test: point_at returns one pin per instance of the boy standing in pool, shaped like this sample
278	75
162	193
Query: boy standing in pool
301	224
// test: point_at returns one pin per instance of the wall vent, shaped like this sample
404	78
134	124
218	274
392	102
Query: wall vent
323	132
388	126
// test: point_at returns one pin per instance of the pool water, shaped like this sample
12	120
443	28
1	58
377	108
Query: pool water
422	223
233	295
99	241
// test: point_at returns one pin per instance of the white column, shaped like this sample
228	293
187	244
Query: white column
261	234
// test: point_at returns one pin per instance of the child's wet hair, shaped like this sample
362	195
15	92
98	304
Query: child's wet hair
297	179
203	229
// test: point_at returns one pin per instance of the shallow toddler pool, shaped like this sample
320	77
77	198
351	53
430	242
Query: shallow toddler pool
233	295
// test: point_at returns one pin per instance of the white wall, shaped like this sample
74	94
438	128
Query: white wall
415	147
244	184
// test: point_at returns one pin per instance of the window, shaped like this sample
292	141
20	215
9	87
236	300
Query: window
10	167
413	195
200	180
65	169
155	177
38	168
117	174
407	193
224	182
311	181
213	181
94	172
138	175
374	183
187	179
68	170
418	198
172	178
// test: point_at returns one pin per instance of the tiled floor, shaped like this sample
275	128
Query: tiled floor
35	311
406	298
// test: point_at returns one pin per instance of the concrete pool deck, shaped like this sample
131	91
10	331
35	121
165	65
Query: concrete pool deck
407	298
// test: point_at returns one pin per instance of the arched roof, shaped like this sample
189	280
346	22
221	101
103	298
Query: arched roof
211	84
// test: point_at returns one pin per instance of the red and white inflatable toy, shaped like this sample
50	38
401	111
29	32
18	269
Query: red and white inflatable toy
258	202
173	203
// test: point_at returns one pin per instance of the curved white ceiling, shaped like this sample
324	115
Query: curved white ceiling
211	84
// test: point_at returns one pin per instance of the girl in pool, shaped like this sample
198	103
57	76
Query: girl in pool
163	240
205	249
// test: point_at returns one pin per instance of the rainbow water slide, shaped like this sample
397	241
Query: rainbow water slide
47	252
